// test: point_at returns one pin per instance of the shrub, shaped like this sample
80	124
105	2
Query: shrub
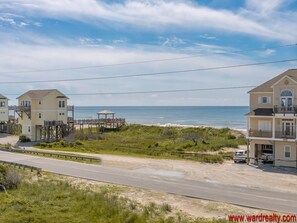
2	173
24	138
79	143
168	133
12	178
230	136
166	207
9	177
43	144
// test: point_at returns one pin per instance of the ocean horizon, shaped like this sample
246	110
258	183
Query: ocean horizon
213	116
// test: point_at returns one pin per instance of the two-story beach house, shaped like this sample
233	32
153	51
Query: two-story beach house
38	107
4	115
272	120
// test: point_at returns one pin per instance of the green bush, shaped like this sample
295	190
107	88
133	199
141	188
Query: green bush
24	138
9	177
230	136
79	143
12	178
43	144
2	174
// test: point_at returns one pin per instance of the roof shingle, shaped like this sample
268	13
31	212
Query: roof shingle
39	94
266	87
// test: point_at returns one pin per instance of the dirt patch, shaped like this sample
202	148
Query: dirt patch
190	206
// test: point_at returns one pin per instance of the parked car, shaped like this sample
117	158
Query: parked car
240	156
266	158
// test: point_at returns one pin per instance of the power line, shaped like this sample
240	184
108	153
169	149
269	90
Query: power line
141	62
157	91
161	91
149	74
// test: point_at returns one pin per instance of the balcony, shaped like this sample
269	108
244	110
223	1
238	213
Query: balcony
285	134
260	134
20	108
268	134
285	109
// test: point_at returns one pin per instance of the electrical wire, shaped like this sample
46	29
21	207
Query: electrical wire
157	91
148	74
143	62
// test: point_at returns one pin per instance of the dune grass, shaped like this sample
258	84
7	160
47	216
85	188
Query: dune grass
156	142
56	201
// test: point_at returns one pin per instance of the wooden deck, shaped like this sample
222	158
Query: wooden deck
104	123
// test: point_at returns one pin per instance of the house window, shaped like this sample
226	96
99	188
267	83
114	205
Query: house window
27	103
2	104
287	151
39	115
286	99
264	100
264	125
39	102
29	129
286	93
61	104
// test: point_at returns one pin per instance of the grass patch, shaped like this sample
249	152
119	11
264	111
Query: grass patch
56	201
156	142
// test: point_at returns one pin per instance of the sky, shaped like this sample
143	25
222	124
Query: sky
76	39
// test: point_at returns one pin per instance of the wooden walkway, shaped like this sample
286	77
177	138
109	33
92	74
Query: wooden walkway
103	123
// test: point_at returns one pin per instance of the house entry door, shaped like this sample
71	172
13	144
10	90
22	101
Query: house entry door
288	128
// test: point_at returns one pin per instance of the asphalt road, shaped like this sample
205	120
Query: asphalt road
238	195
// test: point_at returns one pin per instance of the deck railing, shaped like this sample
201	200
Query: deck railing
285	134
99	121
259	133
268	134
19	108
53	123
285	109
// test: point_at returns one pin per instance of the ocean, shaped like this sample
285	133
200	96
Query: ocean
213	116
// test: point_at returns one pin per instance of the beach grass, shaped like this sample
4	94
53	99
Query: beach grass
195	143
53	200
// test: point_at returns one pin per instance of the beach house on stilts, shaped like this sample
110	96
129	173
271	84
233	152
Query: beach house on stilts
272	121
43	114
4	114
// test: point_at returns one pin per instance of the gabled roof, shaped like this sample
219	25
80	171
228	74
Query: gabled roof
2	96
266	87
39	94
105	112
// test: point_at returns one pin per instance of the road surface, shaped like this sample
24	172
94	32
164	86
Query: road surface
169	182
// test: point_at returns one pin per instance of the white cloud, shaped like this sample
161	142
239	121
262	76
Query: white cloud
267	52
38	24
206	36
90	41
119	41
7	20
264	7
23	24
16	56
161	14
172	41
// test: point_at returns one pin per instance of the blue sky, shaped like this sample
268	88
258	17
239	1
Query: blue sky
50	34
